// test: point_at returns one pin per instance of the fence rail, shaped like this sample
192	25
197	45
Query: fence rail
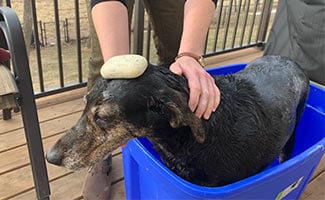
69	32
59	60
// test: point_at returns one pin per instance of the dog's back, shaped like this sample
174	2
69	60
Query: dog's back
281	83
284	87
259	110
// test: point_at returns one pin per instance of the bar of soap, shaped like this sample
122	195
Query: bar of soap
124	66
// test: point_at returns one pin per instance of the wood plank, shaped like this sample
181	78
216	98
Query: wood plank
21	180
21	158
315	189
67	187
17	138
9	125
44	114
320	168
242	56
117	191
56	99
70	186
60	98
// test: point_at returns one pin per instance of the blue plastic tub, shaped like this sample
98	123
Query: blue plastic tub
146	177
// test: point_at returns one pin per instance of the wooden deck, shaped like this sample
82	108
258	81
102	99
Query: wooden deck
56	115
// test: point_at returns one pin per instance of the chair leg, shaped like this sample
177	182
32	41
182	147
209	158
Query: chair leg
6	113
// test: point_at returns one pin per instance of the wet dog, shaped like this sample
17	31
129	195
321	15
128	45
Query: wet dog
255	122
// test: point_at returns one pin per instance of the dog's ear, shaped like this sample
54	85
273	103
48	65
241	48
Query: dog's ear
180	115
184	117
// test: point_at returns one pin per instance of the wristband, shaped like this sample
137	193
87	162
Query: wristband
198	58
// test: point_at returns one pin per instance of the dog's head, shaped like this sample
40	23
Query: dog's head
119	110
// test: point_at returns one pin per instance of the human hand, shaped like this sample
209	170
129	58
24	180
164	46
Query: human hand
204	94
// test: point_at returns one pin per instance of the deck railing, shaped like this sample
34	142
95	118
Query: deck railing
237	24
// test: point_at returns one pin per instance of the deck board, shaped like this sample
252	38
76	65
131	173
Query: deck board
315	189
48	128
72	190
57	114
44	114
233	57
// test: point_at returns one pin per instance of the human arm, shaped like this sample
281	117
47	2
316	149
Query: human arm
108	16
204	94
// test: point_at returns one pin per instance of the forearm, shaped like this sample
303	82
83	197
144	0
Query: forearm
197	19
111	24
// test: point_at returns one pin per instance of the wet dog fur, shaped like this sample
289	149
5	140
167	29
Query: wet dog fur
254	123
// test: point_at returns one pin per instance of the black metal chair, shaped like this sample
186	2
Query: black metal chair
11	37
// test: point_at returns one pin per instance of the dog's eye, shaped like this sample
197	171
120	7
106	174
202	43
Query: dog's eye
101	122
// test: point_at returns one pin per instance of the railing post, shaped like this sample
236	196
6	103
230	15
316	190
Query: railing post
78	39
58	42
267	9
148	41
8	3
66	30
41	33
45	36
138	27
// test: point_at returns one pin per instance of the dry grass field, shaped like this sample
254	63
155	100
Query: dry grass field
45	9
49	55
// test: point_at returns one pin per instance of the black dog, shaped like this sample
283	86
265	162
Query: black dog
258	113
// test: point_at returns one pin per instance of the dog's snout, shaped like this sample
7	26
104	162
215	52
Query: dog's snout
54	157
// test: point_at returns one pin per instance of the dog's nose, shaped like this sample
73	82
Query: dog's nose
54	157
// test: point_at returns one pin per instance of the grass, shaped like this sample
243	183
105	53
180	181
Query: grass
50	65
49	55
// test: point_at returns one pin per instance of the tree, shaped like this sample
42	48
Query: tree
27	24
